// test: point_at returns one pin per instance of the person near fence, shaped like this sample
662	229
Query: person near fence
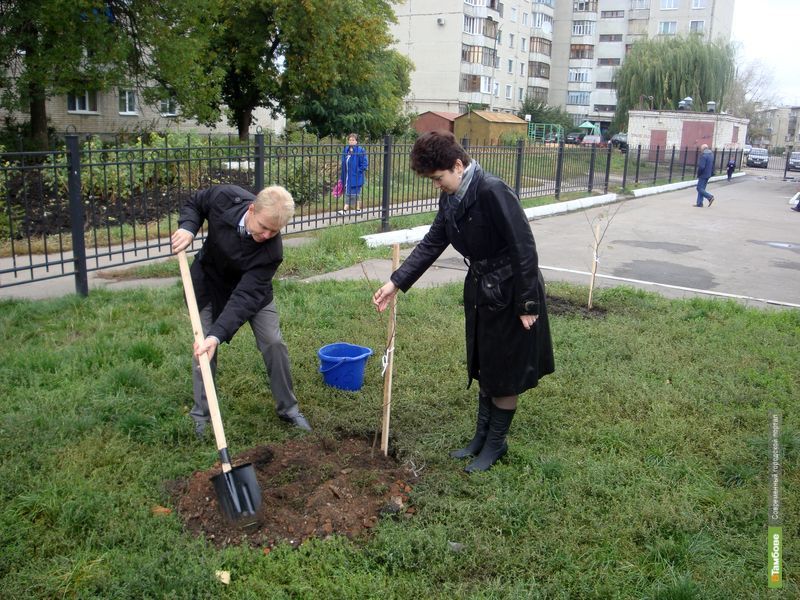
705	169
731	168
507	331
355	163
232	276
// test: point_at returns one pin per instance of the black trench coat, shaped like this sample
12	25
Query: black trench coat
489	228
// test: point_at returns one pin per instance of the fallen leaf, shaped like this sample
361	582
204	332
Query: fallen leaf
161	511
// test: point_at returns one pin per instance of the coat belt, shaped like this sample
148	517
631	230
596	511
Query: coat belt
487	265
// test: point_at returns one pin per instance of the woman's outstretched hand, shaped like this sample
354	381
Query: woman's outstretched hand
384	295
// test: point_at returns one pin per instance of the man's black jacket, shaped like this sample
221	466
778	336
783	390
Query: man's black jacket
232	272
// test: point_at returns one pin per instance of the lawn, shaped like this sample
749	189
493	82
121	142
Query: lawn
638	470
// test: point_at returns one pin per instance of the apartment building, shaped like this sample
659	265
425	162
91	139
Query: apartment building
475	53
491	54
592	37
780	128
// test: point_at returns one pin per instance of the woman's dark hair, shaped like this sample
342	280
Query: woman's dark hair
437	151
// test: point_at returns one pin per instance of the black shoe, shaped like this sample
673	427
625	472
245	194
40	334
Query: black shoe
711	200
495	447
481	429
796	208
200	429
297	420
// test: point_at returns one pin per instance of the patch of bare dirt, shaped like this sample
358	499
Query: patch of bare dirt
310	487
564	307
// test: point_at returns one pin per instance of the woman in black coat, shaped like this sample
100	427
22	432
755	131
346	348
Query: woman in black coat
507	331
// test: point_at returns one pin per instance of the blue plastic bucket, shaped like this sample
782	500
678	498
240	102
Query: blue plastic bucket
342	365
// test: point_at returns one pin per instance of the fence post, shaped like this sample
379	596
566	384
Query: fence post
638	162
387	182
625	169
518	174
559	168
655	168
77	215
608	167
259	162
591	169
671	163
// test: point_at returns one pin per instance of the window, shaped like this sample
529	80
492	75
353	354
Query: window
580	75
84	102
610	37
542	21
524	44
698	3
605	107
582	27
545	2
521	94
513	14
669	4
581	51
606	85
510	40
486	84
477	55
524	18
579	98
541	46
508	92
587	6
522	69
491	29
608	62
668	27
639	4
169	108
696	26
469	83
538	94
510	65
496	88
472	24
127	102
612	14
539	69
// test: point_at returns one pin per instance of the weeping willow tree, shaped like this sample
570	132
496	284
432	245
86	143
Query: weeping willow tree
668	70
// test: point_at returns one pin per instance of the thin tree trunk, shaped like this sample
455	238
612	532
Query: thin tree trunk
38	113
243	121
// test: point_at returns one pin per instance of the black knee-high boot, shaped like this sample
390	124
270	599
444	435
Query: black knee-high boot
485	405
495	446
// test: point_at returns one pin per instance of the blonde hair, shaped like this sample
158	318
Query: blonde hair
278	200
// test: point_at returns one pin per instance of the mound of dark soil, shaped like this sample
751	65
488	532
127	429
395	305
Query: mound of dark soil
310	487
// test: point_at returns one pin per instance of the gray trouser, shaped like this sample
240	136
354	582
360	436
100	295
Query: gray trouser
267	331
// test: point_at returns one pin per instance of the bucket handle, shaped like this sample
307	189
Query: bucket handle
338	364
344	360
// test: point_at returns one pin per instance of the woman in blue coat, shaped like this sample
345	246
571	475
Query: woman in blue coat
354	164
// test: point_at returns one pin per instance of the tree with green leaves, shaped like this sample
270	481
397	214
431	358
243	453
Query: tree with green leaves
327	63
55	47
669	69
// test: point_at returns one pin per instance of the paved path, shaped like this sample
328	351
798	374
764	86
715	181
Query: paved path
746	246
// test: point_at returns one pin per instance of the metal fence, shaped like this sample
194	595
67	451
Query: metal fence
87	207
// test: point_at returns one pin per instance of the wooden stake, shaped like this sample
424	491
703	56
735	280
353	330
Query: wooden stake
594	262
387	375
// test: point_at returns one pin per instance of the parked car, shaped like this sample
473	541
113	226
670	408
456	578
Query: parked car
746	149
758	157
574	137
620	140
794	161
593	140
551	138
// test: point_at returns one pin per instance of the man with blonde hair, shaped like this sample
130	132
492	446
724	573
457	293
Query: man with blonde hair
232	276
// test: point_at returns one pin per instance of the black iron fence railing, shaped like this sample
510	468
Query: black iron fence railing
86	206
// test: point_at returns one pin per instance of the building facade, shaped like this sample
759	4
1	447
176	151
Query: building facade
778	128
490	55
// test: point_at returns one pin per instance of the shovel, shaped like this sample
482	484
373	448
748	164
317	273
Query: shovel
237	489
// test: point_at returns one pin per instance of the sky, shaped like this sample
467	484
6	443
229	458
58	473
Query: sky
768	31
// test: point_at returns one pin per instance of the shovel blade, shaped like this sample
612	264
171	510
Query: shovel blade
238	492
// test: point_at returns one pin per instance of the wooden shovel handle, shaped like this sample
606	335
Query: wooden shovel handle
205	365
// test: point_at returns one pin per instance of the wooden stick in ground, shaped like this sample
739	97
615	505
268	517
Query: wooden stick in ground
387	375
594	262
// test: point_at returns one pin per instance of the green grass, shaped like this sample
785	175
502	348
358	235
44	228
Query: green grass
637	470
